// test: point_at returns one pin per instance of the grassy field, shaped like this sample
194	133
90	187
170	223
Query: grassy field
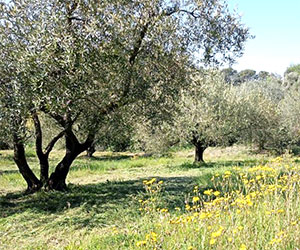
238	200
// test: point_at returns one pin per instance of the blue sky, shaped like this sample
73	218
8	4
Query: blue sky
276	26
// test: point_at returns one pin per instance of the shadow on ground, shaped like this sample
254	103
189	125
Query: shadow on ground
101	197
3	172
220	164
92	199
97	204
106	157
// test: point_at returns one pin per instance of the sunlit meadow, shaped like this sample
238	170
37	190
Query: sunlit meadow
252	208
127	201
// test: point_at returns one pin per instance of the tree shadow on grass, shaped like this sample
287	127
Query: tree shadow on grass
3	172
106	157
95	204
7	157
219	164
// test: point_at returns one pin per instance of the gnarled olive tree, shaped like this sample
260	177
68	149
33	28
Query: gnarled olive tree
80	61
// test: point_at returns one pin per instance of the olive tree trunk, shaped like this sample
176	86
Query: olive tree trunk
33	183
90	151
199	151
57	180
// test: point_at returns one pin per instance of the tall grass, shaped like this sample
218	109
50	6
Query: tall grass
254	208
117	201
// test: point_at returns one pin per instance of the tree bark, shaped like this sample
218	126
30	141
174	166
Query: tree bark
43	156
33	183
57	180
199	150
44	169
90	151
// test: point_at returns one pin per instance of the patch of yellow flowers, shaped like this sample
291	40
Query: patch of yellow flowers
250	208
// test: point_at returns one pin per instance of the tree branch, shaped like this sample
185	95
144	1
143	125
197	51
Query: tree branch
76	18
61	121
174	10
138	44
38	135
52	143
70	11
89	141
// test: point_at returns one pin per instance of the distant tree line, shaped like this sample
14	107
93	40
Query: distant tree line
234	77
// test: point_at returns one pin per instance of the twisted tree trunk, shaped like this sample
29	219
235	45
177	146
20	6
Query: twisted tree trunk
43	155
199	151
199	148
90	151
57	180
33	183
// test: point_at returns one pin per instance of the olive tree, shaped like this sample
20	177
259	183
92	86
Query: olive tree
80	62
224	114
209	113
290	110
267	129
214	113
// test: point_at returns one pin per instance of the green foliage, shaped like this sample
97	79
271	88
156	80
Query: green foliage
268	128
215	113
234	77
290	112
209	111
212	112
83	62
247	75
90	59
230	75
292	78
293	68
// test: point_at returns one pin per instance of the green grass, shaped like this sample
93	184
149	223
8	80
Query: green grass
101	208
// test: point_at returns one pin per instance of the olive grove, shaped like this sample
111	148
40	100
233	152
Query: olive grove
80	63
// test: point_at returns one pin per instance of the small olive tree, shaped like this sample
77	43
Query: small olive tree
214	113
290	110
268	130
210	113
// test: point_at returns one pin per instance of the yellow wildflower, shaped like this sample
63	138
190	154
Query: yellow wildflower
274	241
202	215
187	207
208	191
217	233
216	193
258	177
243	247
195	199
212	241
164	210
141	243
